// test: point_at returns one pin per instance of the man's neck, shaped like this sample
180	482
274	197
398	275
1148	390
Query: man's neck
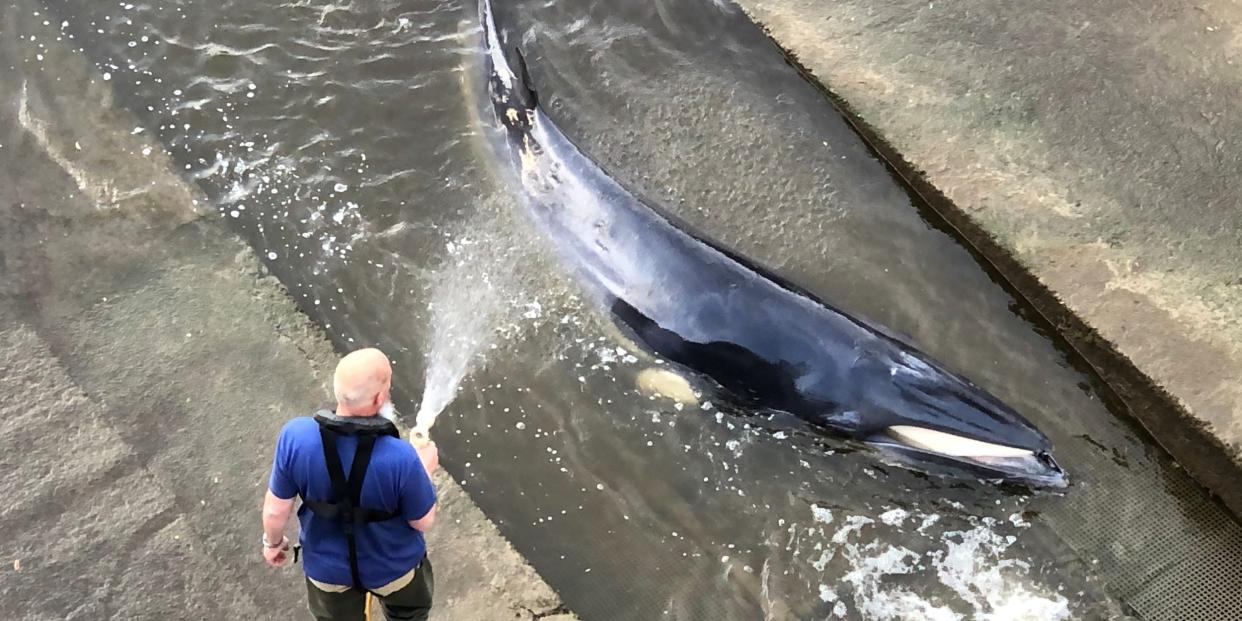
345	410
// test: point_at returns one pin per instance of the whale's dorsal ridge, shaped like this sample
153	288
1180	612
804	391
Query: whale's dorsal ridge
525	86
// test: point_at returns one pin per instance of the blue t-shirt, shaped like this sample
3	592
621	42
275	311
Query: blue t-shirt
395	481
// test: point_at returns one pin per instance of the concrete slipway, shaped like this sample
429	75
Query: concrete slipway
146	361
1090	151
146	364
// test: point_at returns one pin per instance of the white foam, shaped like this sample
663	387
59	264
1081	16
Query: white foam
894	517
825	557
821	515
972	563
853	524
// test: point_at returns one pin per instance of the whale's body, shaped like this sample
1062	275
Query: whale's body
765	342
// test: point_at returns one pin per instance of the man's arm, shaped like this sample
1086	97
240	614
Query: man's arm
276	512
424	523
278	503
419	490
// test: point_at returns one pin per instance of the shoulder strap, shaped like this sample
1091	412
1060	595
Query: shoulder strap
357	472
345	505
335	471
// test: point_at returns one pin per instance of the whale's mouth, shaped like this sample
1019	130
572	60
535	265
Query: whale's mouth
988	460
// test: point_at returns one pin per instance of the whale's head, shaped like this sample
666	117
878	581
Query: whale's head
934	420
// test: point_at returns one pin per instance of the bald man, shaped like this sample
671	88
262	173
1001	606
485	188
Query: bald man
366	497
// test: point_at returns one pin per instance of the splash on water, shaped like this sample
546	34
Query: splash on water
979	578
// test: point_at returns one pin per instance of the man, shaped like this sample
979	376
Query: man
358	535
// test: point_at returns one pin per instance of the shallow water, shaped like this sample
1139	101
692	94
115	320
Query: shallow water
343	142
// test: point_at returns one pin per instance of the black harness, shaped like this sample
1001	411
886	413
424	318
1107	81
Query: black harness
345	504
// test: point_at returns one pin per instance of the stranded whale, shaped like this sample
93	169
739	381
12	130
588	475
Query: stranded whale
763	341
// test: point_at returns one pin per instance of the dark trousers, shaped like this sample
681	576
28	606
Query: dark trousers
411	603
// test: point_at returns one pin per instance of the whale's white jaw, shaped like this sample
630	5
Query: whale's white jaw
952	445
920	446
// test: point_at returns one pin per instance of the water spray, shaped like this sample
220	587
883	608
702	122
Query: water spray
454	341
466	302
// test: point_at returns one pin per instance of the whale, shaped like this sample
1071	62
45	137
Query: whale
761	341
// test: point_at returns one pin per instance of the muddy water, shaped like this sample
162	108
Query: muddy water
343	141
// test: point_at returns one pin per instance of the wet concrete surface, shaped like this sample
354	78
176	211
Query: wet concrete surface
146	364
1090	150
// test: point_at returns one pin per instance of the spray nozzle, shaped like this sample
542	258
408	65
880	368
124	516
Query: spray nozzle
420	436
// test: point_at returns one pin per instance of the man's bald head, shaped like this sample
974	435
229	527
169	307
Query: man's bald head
361	382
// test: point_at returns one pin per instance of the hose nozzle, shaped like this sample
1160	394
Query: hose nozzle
420	437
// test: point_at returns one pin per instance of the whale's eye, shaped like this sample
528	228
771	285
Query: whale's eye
950	444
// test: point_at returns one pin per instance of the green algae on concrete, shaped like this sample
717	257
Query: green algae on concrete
1091	150
147	363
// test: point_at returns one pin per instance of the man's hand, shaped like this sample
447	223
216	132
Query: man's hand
429	454
276	512
276	557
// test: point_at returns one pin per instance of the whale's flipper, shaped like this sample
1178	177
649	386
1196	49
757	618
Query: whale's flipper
658	382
